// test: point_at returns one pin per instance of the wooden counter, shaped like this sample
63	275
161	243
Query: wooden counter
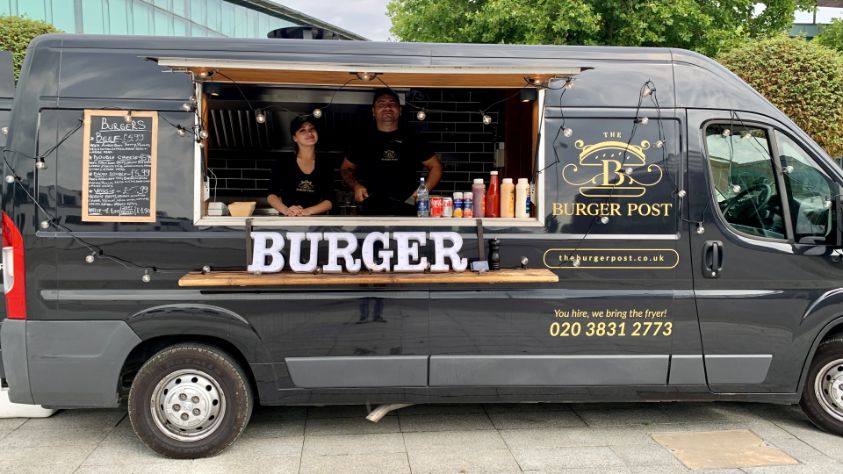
194	279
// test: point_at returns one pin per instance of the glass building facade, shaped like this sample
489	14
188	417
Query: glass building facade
218	18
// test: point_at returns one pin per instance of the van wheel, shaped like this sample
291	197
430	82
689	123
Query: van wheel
822	399
189	401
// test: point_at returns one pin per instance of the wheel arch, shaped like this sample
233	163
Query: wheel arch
163	326
832	329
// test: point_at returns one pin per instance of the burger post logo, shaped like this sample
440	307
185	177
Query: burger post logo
612	169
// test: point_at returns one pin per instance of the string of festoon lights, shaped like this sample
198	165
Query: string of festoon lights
200	135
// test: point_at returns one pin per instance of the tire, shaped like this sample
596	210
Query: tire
190	401
822	398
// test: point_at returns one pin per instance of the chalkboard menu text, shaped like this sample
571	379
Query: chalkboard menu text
119	161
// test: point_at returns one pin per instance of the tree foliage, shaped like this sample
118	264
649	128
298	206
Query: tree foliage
16	34
701	25
832	35
803	79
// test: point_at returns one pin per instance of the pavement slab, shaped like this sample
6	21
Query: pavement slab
356	463
556	459
477	421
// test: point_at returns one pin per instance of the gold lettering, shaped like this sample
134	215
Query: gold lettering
607	173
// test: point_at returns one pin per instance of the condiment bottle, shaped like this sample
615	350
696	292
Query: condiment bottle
467	204
507	198
522	198
478	192
493	198
458	204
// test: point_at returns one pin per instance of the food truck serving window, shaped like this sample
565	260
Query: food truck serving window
349	146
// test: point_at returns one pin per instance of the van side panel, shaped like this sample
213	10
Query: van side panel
77	363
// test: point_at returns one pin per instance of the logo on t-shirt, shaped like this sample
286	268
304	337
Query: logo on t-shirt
389	155
305	186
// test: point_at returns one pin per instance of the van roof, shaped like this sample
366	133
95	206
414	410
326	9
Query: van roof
685	79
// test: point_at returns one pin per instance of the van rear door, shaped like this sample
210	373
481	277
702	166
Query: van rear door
7	95
763	261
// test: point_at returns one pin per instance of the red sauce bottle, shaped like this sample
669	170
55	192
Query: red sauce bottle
493	197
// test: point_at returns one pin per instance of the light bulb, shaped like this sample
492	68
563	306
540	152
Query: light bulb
200	143
659	143
317	113
420	115
827	204
44	224
576	262
146	278
5	130
40	164
628	171
366	76
90	258
727	132
567	132
746	135
193	99
644	120
203	134
736	188
203	75
487	119
788	169
569	84
647	91
700	229
10	179
180	131
682	193
604	220
128	118
260	117
186	107
206	269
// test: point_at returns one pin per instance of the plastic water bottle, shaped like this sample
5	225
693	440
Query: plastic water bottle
422	200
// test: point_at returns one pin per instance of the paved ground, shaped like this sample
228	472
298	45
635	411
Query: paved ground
580	438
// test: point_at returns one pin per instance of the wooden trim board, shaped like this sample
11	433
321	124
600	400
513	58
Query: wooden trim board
198	279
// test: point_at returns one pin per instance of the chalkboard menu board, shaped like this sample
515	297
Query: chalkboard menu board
119	158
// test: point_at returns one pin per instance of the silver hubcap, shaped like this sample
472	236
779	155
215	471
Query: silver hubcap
188	405
829	388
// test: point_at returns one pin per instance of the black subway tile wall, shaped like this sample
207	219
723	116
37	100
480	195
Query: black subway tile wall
453	126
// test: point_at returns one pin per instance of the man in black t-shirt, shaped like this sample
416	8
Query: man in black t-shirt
382	166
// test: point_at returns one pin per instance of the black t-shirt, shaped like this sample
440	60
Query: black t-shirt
389	163
294	187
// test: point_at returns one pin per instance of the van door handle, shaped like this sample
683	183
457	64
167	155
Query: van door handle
712	258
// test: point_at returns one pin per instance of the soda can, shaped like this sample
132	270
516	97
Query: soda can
435	206
447	207
458	204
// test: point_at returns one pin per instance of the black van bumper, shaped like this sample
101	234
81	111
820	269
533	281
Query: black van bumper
65	364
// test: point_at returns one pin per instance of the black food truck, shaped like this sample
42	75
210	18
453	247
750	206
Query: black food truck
680	237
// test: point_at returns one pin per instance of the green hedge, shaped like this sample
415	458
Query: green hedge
803	79
832	35
17	32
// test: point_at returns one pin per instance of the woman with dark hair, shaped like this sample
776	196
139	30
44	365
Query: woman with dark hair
300	187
